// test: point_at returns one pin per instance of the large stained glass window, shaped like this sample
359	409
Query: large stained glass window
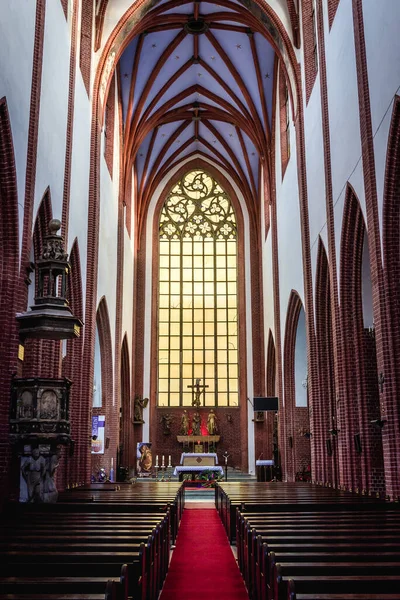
197	314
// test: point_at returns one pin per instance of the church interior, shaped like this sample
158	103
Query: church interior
199	293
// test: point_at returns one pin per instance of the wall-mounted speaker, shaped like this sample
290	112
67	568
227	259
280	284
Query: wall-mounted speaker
263	404
107	443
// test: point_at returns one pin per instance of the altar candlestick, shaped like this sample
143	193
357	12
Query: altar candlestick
169	461
157	460
163	461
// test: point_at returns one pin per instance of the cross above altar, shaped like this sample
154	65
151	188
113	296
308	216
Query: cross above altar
197	392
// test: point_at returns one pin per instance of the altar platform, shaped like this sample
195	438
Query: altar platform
179	471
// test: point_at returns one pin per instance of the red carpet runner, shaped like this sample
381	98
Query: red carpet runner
203	566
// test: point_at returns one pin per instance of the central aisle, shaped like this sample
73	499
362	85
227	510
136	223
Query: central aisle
203	566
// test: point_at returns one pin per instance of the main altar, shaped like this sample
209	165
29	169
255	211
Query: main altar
199	439
198	462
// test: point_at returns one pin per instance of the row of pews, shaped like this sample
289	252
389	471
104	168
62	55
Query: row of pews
99	542
304	542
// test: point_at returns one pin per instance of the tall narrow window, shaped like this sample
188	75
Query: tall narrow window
197	317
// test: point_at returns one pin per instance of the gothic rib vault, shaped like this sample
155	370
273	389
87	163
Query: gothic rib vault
198	79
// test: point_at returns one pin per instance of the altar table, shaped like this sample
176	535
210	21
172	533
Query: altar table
196	469
199	459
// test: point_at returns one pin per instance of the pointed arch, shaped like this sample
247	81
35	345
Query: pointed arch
391	223
9	280
391	260
296	455
107	408
271	365
43	217
241	456
126	453
362	471
266	442
324	406
72	368
9	199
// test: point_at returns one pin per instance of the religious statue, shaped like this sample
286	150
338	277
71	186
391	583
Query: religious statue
196	423
145	460
139	404
33	471
50	491
184	430
212	423
166	421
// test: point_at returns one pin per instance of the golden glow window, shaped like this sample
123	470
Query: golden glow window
197	312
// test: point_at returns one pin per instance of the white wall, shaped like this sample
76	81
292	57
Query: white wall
383	60
53	109
17	28
107	272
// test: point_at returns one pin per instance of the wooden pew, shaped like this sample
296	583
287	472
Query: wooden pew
81	549
287	531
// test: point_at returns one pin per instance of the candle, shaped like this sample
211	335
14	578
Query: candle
163	462
169	461
157	460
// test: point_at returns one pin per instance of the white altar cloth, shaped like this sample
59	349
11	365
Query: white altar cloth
264	463
199	454
197	470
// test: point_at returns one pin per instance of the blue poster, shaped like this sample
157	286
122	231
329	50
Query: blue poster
98	427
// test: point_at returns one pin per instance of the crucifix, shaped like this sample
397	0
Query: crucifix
197	392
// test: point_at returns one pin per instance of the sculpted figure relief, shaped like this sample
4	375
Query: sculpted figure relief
49	487
33	471
212	423
166	421
184	430
140	404
196	424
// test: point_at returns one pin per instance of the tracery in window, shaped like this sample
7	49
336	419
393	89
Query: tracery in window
197	315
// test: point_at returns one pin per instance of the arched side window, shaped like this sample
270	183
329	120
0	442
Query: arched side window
198	303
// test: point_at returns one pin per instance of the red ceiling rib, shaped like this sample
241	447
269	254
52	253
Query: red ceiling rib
133	83
238	80
246	158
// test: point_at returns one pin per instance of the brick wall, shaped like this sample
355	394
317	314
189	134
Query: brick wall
9	283
72	473
264	430
64	4
126	441
85	58
284	120
108	409
232	434
332	8
309	45
324	406
109	127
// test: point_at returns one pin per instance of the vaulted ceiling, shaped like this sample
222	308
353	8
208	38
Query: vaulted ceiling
199	79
